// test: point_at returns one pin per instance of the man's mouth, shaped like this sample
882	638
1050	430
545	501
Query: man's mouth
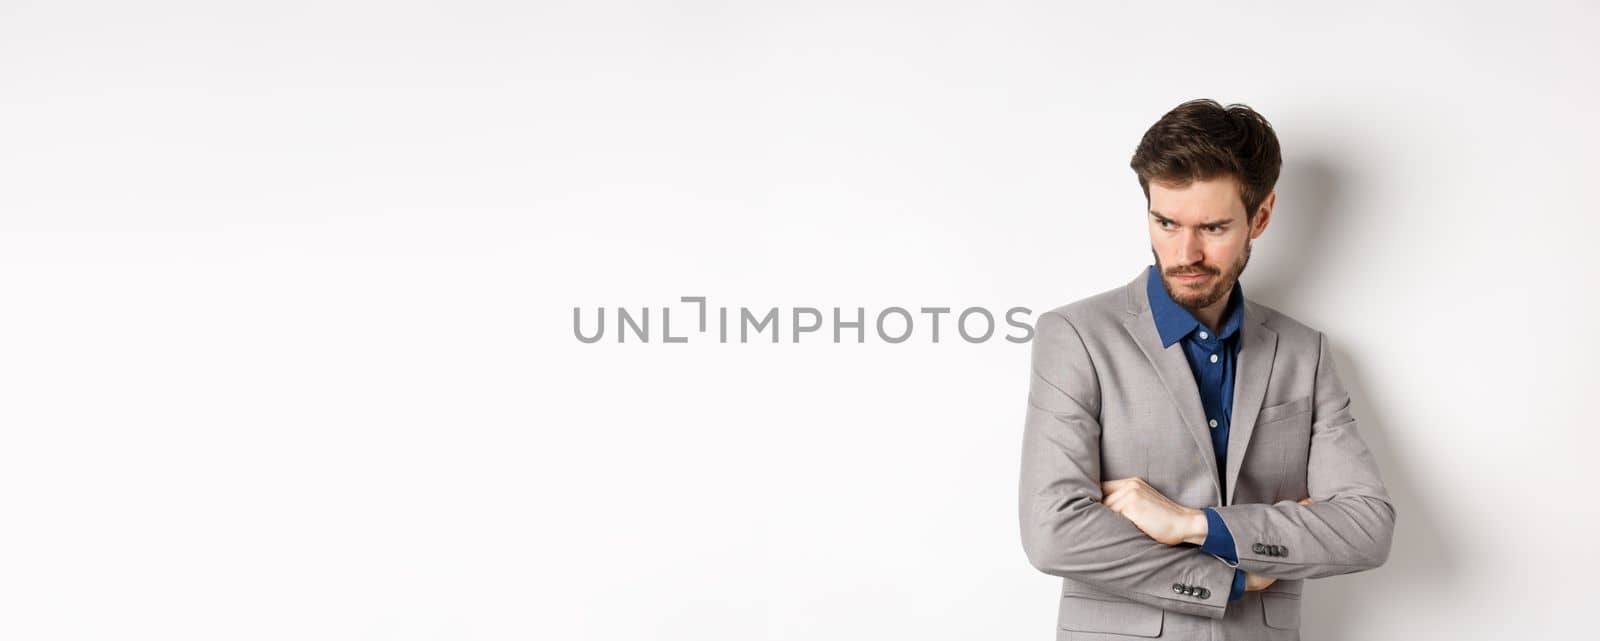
1191	278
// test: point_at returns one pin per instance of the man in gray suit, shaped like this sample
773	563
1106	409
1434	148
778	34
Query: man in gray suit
1189	456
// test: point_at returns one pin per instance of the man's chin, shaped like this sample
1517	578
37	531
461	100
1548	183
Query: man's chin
1192	296
1193	289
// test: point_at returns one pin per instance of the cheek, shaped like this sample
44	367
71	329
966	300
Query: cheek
1224	251
1161	241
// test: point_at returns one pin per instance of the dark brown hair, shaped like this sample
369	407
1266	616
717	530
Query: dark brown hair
1201	140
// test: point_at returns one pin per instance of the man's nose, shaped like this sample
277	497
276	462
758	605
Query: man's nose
1189	248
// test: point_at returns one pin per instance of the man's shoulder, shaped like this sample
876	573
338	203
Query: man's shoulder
1293	334
1109	308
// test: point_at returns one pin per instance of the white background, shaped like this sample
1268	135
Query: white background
286	295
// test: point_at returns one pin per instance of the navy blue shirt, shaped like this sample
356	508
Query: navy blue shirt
1211	357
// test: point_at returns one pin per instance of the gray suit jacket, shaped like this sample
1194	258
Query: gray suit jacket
1106	401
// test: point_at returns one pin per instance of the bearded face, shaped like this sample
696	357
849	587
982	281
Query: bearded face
1201	285
1201	239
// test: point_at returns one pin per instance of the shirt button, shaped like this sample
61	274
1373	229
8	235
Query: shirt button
1213	358
1213	422
1204	335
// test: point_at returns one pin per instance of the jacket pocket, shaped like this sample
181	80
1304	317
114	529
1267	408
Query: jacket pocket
1092	613
1280	611
1284	410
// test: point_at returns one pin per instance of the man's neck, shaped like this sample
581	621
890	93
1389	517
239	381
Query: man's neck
1211	316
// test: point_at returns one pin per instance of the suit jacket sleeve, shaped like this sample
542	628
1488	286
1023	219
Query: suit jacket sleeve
1350	523
1066	531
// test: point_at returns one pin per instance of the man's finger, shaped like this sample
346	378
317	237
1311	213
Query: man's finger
1114	501
1304	501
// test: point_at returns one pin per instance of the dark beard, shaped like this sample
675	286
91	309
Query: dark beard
1220	288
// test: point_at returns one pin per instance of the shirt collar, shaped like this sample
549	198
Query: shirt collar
1174	322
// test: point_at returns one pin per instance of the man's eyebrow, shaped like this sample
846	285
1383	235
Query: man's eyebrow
1219	222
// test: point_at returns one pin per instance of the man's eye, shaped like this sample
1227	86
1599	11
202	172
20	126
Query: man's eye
1213	228
1165	224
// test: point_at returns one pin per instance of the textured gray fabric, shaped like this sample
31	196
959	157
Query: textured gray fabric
1107	401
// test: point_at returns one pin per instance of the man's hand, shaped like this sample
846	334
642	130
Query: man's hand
1156	515
1256	582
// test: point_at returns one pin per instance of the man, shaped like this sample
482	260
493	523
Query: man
1189	457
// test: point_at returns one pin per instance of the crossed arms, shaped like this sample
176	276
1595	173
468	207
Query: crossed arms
1070	529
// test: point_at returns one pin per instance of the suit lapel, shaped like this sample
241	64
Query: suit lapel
1257	347
1173	369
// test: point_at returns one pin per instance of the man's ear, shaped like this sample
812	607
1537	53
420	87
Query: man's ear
1263	215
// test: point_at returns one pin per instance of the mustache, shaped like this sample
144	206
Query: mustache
1190	271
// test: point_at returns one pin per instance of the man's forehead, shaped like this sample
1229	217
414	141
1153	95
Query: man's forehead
1199	202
